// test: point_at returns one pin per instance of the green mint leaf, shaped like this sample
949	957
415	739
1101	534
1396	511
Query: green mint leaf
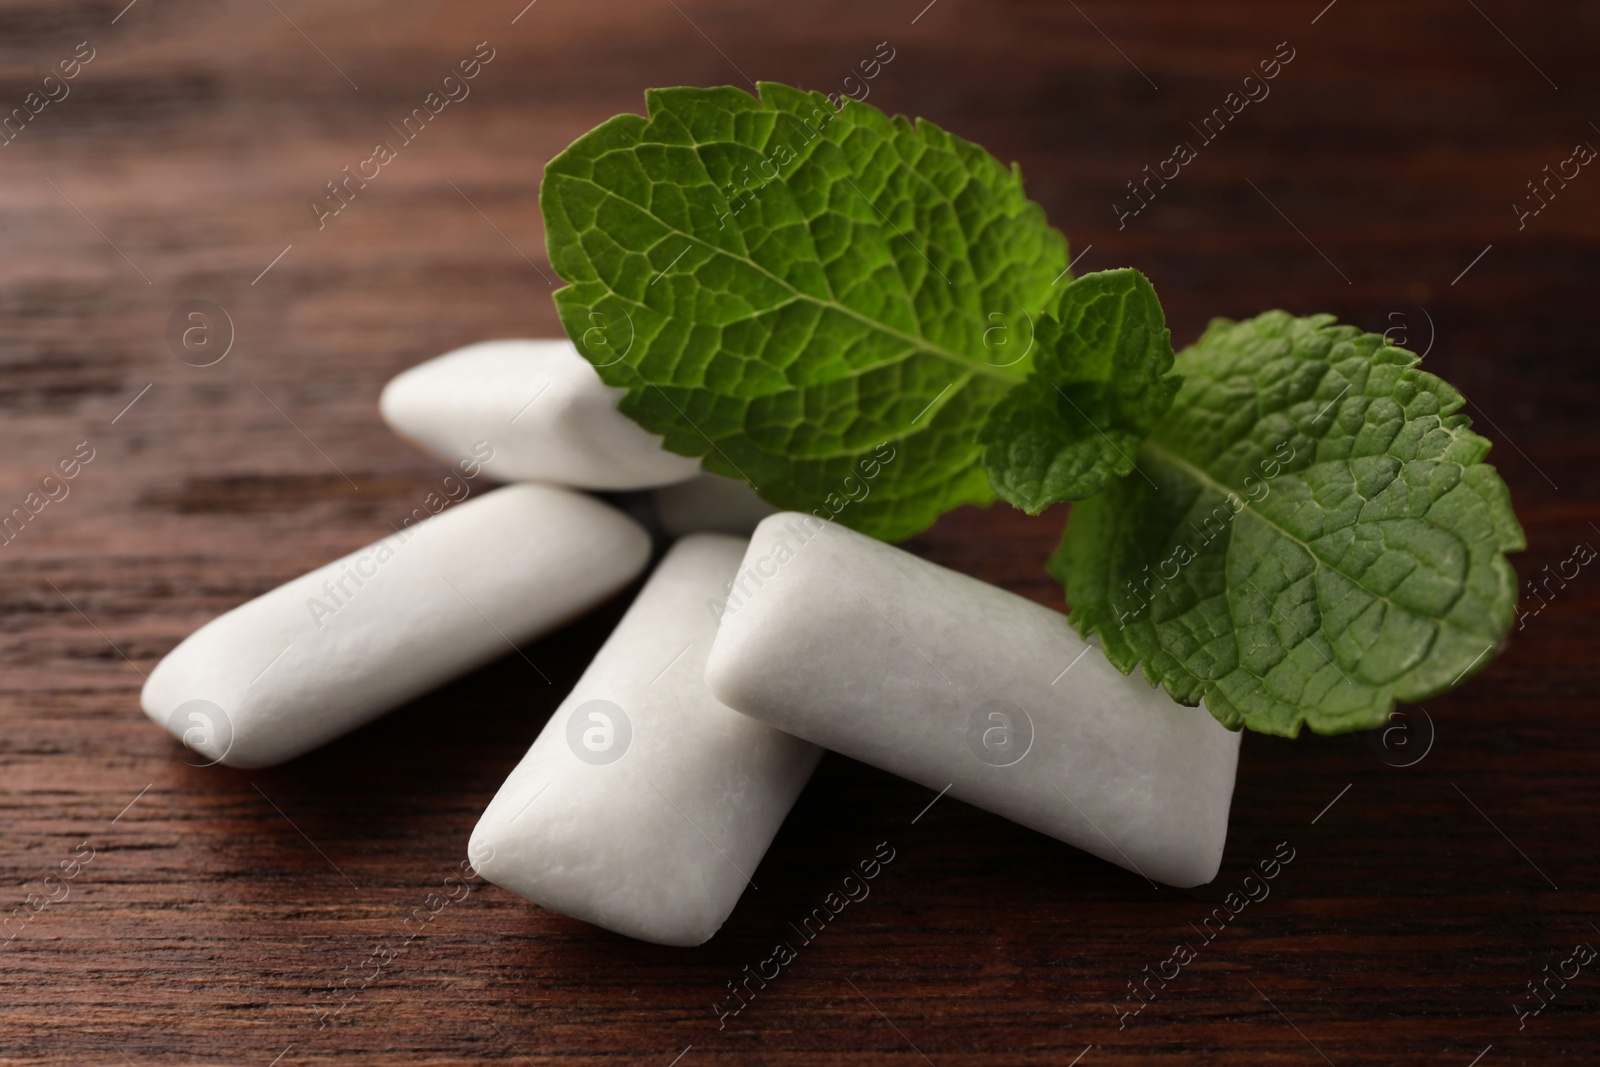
793	293
1310	536
1096	391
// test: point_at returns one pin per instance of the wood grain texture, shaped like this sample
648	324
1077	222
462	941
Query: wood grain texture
224	913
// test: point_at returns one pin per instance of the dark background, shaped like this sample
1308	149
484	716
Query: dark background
218	910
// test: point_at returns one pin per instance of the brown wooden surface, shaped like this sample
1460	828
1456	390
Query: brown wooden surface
221	906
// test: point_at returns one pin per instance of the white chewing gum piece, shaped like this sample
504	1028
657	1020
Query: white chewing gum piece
710	503
533	411
954	683
645	805
331	650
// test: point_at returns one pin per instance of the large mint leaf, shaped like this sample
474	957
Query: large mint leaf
1097	389
1310	536
793	293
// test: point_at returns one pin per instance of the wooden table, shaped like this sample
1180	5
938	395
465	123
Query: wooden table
216	916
